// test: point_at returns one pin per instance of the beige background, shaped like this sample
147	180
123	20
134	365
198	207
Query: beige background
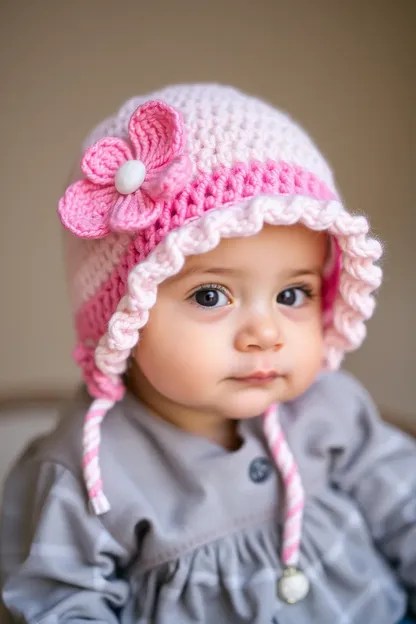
344	69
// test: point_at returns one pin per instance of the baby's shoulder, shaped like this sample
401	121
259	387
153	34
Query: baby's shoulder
336	401
64	445
337	389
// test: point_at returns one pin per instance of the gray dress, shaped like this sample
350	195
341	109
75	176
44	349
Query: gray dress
194	531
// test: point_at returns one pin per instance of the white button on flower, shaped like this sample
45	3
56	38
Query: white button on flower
293	586
130	176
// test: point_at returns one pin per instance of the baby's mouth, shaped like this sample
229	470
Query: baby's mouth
258	377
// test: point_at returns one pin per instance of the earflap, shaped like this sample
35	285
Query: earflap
331	281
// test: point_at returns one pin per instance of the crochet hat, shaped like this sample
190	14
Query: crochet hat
170	175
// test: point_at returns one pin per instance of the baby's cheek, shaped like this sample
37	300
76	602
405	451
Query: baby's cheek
179	363
307	355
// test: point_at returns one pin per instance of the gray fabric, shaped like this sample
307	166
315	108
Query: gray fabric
194	531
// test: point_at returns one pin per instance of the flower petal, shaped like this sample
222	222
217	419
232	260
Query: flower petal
171	180
134	212
102	161
157	133
85	209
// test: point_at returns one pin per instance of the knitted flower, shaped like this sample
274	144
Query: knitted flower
126	185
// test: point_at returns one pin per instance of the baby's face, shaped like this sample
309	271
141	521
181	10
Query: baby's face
239	327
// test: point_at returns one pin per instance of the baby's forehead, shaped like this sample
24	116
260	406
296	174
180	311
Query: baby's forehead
273	247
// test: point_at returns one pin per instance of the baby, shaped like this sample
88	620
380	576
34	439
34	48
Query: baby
215	468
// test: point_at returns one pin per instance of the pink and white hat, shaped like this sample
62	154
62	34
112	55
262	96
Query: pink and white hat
168	176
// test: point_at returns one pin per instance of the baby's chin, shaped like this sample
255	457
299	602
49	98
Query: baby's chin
250	404
252	401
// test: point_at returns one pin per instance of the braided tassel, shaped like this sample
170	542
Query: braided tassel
90	461
295	498
293	585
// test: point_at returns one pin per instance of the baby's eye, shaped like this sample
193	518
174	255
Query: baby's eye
293	297
211	297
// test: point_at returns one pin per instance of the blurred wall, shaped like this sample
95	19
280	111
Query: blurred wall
343	69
